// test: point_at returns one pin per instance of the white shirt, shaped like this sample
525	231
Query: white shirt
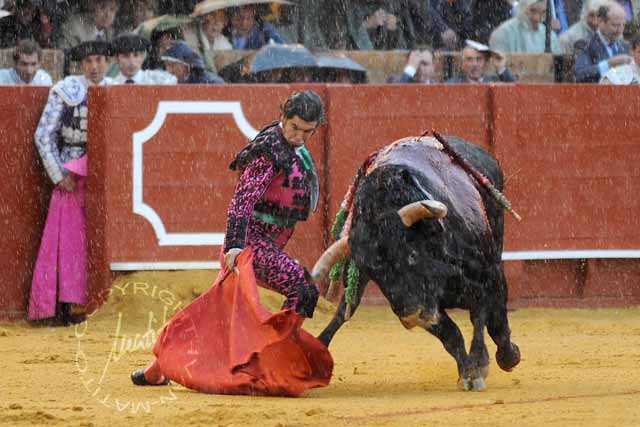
148	77
9	77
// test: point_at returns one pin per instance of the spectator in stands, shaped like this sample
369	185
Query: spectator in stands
188	67
389	25
205	33
525	32
132	13
419	69
581	32
26	67
248	31
475	58
606	49
453	22
161	40
59	284
95	24
487	15
626	74
30	20
131	51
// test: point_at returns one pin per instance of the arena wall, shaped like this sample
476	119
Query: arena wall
159	182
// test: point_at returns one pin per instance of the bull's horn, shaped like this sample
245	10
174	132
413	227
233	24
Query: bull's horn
339	250
414	212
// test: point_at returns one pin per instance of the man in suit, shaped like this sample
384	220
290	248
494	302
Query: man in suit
606	49
419	69
475	57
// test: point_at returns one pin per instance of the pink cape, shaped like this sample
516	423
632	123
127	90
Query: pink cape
225	342
60	273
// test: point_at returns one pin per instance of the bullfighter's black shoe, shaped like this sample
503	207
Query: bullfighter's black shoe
138	378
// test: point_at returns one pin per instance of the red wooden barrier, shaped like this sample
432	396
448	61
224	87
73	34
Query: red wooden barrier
159	183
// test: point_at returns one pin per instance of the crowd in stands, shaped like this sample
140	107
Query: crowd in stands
179	39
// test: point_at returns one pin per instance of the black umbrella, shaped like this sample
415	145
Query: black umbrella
280	56
331	63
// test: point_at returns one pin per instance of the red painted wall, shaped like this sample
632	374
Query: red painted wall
569	154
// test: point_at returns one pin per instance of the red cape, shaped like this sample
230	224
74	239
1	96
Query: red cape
225	342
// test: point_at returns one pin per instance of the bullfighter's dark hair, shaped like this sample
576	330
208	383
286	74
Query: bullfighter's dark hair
305	104
635	41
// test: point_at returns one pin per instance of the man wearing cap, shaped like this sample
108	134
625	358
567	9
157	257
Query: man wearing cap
188	67
131	51
59	285
475	57
26	67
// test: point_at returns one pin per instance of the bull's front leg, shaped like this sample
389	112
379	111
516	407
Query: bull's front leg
478	354
339	317
449	334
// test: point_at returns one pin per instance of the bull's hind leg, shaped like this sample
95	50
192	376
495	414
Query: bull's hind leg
339	317
508	354
453	341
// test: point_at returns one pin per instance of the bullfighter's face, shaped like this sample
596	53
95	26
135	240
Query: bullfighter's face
297	131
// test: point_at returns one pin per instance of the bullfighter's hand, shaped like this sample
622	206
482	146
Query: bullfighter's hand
230	257
67	184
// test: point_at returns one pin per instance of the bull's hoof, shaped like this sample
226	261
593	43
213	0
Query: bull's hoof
508	358
478	384
465	384
469	384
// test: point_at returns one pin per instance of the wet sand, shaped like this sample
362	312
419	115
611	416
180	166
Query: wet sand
579	368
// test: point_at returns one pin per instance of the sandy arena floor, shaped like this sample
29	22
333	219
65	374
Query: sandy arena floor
579	368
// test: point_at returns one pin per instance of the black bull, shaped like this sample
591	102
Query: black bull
450	259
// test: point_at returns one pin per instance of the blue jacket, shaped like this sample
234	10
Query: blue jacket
260	35
587	69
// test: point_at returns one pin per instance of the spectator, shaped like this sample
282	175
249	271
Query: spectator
161	40
205	33
133	13
336	67
453	22
626	74
30	20
59	284
248	31
187	66
389	25
487	15
343	25
95	24
475	57
419	69
606	49
26	67
131	51
525	32
581	32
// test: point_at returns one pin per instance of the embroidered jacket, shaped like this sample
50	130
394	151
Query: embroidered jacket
277	181
65	114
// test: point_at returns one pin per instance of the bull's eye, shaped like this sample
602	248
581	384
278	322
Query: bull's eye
412	259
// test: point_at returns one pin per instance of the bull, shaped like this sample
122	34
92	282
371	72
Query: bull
431	237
